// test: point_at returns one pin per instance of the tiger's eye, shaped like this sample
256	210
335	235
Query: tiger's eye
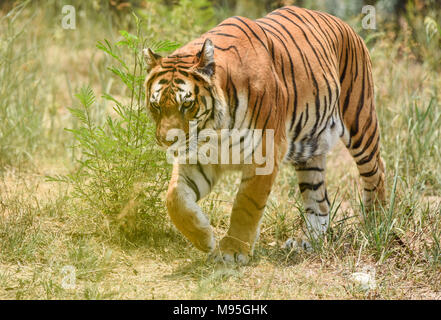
187	105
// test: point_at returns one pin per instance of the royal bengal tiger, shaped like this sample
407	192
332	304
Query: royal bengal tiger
305	75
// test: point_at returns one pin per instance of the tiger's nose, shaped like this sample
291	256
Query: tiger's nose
163	142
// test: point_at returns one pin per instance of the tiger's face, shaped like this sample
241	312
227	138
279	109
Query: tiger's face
178	91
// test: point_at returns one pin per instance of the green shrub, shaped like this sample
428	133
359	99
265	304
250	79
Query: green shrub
120	172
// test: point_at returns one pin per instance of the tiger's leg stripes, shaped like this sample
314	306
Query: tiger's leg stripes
311	178
372	171
248	208
363	139
190	183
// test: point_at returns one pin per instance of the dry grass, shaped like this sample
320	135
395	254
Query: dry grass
172	269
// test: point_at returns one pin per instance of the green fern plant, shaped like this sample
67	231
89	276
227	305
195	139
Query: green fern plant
120	172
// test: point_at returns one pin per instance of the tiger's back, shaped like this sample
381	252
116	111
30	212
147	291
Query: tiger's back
296	60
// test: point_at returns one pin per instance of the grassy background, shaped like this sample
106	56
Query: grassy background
101	220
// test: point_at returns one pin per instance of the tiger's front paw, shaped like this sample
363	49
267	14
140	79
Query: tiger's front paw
203	240
219	256
231	251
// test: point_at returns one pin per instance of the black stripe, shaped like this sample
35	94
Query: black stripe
241	29
366	126
369	142
308	186
254	34
201	170
282	67
325	199
223	34
311	211
256	205
330	41
305	36
248	102
361	103
370	174
184	73
292	65
311	169
324	58
368	158
233	100
298	128
229	48
180	56
193	186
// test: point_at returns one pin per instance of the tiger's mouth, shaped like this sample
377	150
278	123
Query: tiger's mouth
163	143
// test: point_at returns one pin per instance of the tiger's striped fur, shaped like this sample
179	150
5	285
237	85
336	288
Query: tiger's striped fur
304	74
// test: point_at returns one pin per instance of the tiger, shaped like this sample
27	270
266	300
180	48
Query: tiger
304	75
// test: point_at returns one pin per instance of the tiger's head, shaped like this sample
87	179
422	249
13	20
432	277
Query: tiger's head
179	89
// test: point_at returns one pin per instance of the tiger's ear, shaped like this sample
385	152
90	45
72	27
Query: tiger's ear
152	59
206	64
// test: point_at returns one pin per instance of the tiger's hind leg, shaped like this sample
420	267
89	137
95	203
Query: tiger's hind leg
362	139
361	131
372	171
311	178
